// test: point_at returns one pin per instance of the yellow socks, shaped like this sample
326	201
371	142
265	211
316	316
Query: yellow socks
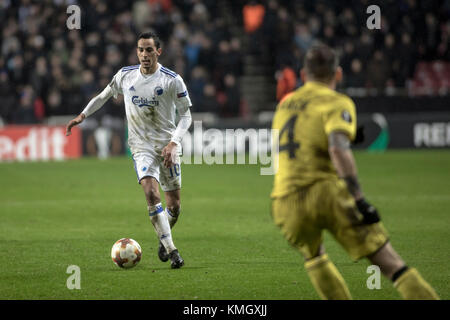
330	285
326	279
412	286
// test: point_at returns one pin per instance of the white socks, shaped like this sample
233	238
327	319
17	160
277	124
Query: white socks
162	227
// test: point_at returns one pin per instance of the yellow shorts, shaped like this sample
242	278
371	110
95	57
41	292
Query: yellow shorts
326	205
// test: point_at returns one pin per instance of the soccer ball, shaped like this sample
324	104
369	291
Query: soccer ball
126	253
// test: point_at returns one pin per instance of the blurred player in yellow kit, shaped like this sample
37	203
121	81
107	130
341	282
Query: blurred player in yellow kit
316	187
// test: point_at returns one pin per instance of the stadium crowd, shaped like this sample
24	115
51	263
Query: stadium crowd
46	69
411	31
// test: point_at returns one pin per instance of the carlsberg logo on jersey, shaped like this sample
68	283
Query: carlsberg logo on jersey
144	102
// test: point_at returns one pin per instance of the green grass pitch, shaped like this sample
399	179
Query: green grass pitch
57	214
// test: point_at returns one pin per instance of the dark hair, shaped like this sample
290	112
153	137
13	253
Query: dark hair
321	62
150	35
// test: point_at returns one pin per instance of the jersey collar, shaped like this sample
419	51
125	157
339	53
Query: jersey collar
316	84
141	75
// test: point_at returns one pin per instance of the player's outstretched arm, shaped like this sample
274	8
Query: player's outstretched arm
342	157
96	103
74	122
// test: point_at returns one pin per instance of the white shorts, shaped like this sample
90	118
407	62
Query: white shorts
151	164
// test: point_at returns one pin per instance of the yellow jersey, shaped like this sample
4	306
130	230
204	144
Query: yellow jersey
304	119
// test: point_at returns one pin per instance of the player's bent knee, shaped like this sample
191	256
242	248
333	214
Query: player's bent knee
151	191
153	199
152	195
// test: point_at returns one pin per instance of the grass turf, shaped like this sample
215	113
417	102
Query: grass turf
56	214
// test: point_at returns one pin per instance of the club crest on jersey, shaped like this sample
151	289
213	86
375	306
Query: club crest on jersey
158	91
345	115
144	102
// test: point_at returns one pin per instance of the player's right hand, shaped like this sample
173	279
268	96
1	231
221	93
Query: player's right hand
74	122
369	212
169	153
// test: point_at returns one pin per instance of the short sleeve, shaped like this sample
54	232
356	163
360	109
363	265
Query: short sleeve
116	84
341	118
181	95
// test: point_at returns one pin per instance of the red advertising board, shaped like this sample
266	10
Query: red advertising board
31	143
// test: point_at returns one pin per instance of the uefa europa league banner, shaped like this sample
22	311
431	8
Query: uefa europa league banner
38	143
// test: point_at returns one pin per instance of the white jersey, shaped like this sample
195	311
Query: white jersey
150	105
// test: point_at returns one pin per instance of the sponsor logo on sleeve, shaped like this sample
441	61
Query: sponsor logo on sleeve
182	94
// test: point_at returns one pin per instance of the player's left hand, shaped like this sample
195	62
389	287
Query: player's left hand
169	153
369	212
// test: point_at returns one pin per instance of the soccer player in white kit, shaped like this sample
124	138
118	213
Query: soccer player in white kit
152	95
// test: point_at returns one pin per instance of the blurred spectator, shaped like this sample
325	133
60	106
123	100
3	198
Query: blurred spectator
365	46
355	77
209	101
235	57
172	56
406	53
270	18
16	67
378	71
303	38
348	55
166	5
197	82
206	54
286	82
192	50
431	35
443	50
88	85
390	49
253	16
26	113
223	62
54	103
232	101
253	13
7	95
284	30
39	77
